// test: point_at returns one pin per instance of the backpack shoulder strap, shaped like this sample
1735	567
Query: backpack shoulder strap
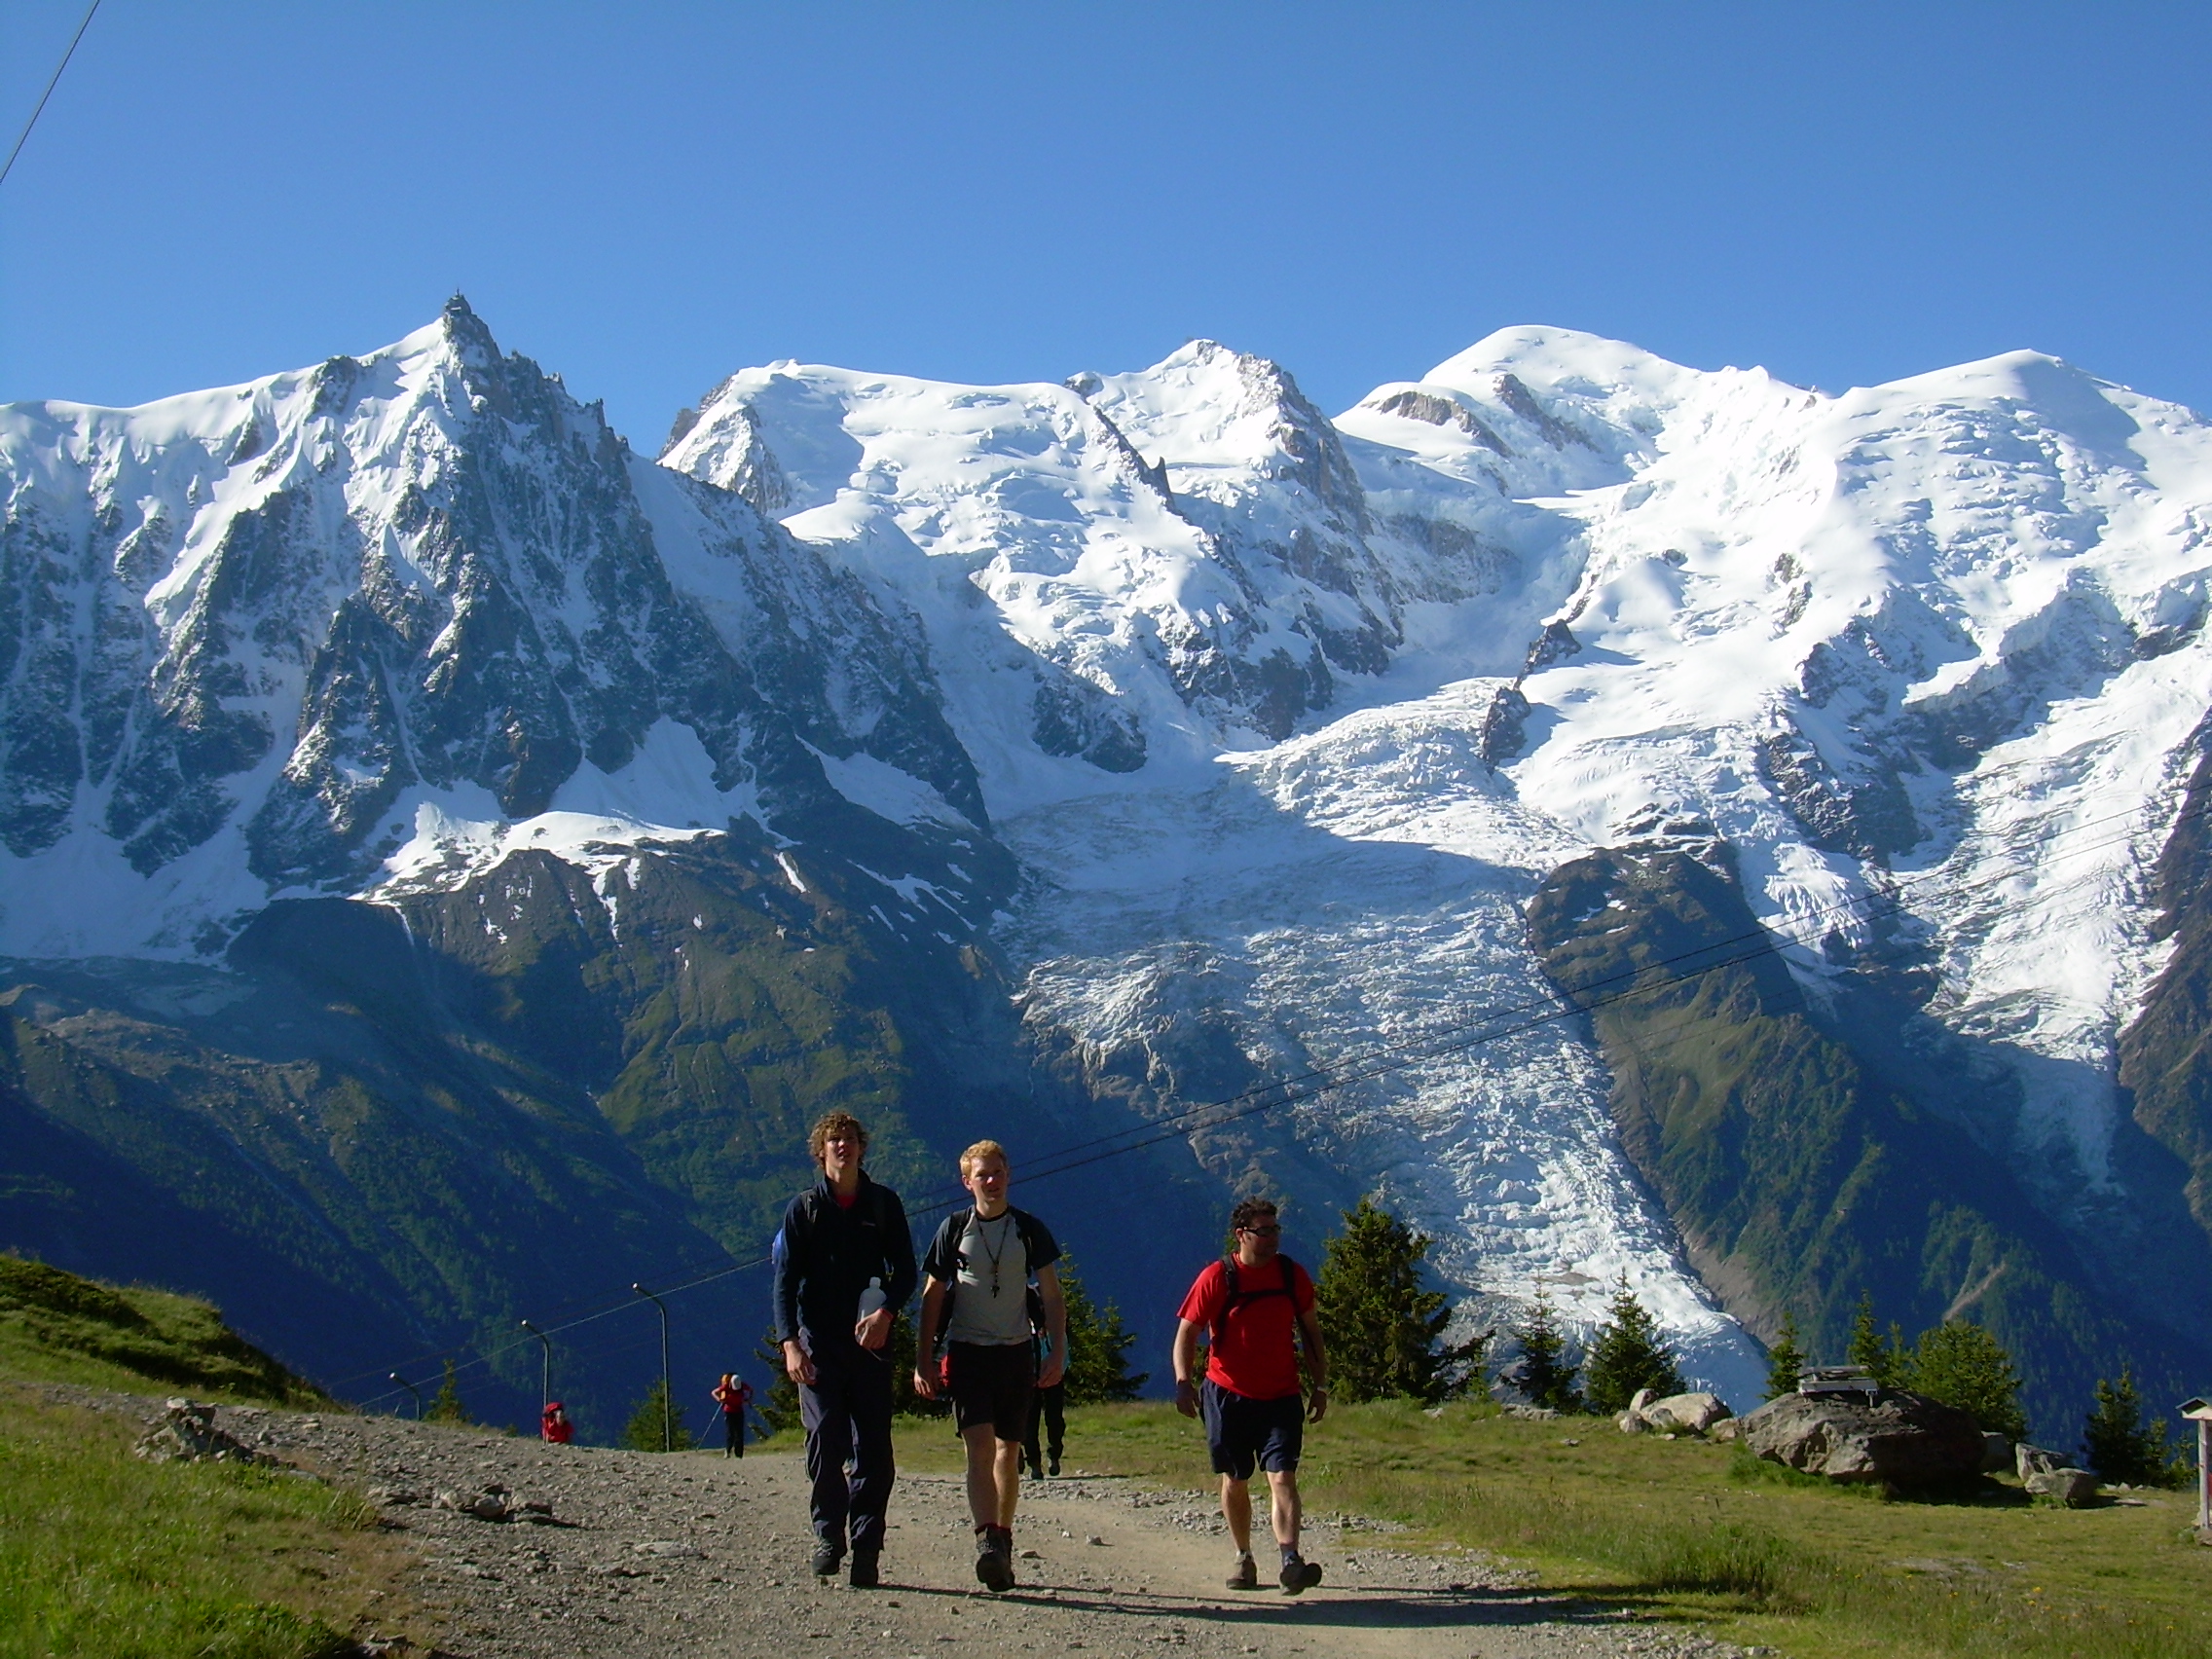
1219	1323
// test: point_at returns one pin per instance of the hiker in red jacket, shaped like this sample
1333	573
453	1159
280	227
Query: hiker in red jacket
733	1395
554	1427
1253	1305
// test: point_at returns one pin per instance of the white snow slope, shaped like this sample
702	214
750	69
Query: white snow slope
2007	558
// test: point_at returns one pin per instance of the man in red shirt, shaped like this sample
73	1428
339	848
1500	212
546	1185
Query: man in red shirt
1252	1306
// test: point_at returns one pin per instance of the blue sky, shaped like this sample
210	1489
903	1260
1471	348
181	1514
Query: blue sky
646	197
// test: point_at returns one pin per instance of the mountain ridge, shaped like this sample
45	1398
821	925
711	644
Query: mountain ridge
1209	739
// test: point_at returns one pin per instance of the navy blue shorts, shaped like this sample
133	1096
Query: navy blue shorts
1241	1431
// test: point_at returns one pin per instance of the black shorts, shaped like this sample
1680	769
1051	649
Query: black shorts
992	1382
1242	1431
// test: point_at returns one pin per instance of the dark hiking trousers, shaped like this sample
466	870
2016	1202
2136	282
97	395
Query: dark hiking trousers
733	1434
1048	1410
847	1414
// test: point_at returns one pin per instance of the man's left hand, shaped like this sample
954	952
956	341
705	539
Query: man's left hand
1053	1370
872	1332
1318	1407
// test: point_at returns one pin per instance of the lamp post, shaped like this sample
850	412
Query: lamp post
412	1389
544	1368
2199	1412
666	1396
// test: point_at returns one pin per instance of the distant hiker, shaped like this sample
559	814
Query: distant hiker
974	1292
554	1426
844	1269
1250	1305
1048	1406
733	1395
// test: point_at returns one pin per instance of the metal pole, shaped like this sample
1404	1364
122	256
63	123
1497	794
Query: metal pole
667	1395
412	1389
544	1367
2203	1477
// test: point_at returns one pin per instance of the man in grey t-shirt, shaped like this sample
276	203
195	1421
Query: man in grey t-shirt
980	1263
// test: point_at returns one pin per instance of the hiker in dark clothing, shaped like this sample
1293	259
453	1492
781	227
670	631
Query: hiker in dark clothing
844	1269
1047	1407
733	1395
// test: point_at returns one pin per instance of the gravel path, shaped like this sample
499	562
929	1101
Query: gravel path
648	1557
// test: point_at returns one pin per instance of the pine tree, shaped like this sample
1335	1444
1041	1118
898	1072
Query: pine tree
2115	1443
1379	1323
1627	1356
1784	1361
778	1408
1098	1345
1544	1375
643	1432
444	1404
1887	1361
1962	1365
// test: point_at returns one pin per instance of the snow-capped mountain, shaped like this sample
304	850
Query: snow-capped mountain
1243	741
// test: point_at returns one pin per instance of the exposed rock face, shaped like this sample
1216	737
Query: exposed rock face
1902	1440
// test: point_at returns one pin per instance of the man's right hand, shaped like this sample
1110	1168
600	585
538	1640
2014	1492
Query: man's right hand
799	1365
1186	1396
924	1383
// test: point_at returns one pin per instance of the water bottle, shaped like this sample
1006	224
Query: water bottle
872	1299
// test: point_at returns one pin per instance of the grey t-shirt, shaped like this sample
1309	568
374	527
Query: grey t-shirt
985	1254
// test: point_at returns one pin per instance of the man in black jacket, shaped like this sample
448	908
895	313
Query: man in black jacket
844	1269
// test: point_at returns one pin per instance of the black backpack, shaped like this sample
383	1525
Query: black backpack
1238	1295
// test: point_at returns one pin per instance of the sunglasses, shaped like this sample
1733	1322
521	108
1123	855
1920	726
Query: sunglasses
1269	1231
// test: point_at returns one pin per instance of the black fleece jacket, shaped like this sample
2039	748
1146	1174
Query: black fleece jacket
824	1257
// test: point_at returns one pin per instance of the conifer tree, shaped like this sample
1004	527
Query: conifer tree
1545	1376
778	1408
1963	1365
1098	1345
1784	1361
643	1432
1380	1322
444	1404
1627	1356
2115	1443
1886	1360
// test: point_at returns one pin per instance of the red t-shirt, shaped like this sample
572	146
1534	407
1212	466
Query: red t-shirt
1256	1355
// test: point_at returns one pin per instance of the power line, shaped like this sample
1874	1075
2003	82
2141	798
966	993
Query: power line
1494	1025
54	80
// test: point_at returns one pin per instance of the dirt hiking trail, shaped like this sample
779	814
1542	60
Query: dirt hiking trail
697	1555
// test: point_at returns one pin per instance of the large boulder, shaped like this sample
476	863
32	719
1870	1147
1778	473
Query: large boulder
1685	1413
2071	1487
1898	1438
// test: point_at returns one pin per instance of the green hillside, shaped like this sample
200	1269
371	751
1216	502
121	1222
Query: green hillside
1803	1167
55	1327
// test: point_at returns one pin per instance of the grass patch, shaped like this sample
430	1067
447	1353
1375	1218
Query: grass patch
1685	1530
105	1556
55	1327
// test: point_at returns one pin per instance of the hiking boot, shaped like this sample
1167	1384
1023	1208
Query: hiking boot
863	1575
1298	1574
1247	1574
828	1558
994	1559
1055	1469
